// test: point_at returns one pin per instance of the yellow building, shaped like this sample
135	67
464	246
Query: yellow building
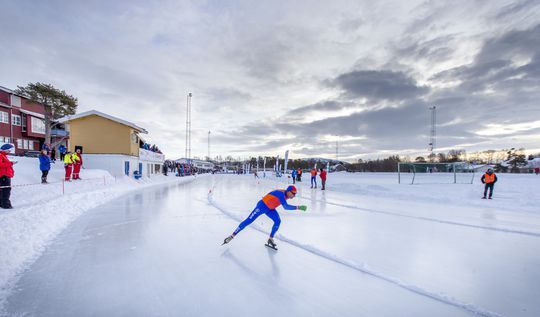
110	143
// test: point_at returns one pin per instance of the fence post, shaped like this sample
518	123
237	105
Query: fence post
398	173
63	189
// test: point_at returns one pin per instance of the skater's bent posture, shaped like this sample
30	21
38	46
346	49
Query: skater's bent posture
267	205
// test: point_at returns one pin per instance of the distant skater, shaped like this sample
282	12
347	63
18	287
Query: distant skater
489	179
322	175
313	177
267	205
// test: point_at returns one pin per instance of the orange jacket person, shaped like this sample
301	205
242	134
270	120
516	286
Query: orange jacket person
313	178
489	178
267	205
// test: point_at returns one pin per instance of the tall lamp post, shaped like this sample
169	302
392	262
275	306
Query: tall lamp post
188	128
208	145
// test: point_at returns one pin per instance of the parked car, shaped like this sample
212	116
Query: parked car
31	154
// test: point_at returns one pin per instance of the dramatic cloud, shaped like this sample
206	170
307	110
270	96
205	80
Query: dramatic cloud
270	76
377	85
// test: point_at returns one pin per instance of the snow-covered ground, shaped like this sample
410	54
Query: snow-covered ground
366	247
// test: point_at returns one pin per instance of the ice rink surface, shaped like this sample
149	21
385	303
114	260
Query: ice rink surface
369	252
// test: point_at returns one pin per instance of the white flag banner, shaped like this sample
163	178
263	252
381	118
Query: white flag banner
286	161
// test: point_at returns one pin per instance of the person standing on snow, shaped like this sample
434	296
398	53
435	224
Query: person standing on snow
489	178
44	165
62	151
267	205
77	163
322	175
313	178
68	165
6	174
294	173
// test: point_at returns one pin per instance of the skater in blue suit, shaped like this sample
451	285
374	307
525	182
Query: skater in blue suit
267	205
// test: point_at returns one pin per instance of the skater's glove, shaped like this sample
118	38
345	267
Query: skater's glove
302	208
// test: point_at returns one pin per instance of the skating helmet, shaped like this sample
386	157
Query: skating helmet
490	170
6	147
291	189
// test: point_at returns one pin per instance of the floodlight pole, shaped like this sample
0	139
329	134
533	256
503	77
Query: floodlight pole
433	132
188	128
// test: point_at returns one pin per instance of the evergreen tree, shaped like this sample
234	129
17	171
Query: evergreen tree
516	159
57	103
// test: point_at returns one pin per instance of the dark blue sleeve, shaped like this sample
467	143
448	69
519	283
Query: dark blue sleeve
283	201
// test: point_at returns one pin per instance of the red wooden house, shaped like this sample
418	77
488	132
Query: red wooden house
21	122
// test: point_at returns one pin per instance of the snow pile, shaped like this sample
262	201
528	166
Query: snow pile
42	211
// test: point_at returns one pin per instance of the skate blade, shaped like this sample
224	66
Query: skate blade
271	247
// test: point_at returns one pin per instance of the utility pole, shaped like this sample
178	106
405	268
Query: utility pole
208	145
433	132
188	127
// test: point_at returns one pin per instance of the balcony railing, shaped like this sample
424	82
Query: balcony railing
61	133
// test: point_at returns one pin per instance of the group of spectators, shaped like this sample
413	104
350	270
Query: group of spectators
150	147
296	175
72	162
180	169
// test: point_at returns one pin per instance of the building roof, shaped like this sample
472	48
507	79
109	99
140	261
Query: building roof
7	90
104	115
10	91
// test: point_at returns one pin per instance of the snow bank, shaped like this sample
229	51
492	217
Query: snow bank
42	211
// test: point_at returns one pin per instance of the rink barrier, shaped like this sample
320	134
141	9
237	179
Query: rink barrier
63	182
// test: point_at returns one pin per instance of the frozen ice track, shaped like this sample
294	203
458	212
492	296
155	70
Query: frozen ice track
364	268
455	223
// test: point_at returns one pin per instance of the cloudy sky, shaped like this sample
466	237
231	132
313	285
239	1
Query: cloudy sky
267	76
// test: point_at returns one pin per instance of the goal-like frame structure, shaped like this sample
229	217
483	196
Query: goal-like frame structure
453	168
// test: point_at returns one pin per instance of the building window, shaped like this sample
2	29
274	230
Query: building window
16	119
4	117
15	101
38	125
4	139
26	144
23	119
20	143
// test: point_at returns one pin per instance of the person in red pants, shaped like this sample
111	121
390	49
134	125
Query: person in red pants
68	165
77	163
322	175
